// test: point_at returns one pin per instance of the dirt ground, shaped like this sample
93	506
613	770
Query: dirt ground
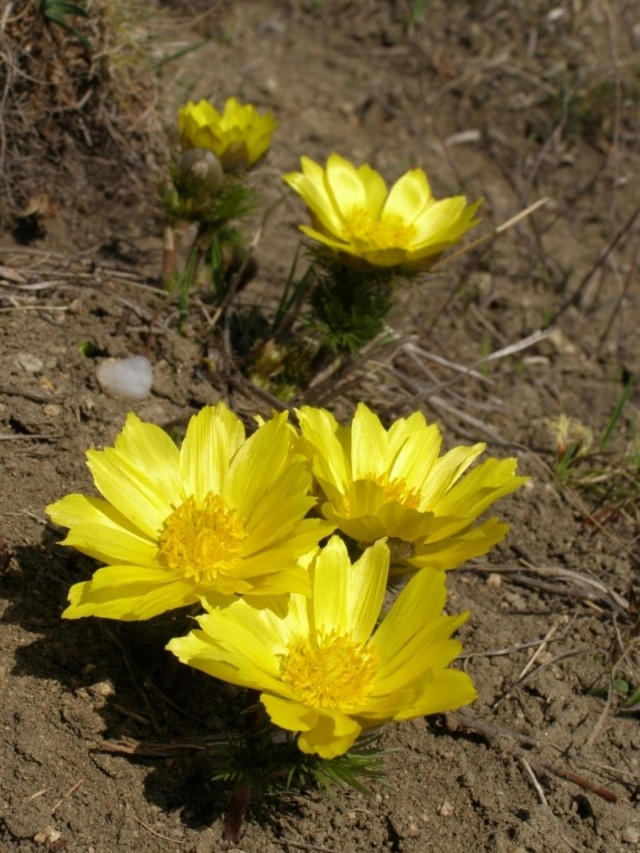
512	101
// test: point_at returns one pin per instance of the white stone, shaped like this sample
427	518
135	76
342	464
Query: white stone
127	379
29	363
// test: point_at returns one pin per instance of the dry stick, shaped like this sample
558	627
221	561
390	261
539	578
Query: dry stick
32	437
471	370
158	749
542	766
555	134
529	665
534	781
579	579
499	229
615	772
325	381
28	395
508	650
607	706
625	289
66	796
602	257
157	834
416	352
37	794
485	238
614	150
492	735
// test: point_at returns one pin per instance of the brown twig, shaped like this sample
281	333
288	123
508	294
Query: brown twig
602	257
66	796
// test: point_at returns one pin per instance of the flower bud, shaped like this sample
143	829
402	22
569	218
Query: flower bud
199	168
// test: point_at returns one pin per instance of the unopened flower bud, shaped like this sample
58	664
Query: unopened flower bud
198	166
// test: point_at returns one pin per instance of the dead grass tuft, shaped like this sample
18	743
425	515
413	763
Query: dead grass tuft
71	88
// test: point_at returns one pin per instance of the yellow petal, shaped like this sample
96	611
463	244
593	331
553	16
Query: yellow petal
99	530
213	437
429	649
145	445
363	528
289	715
285	499
246	634
336	243
369	445
419	603
215	661
347	598
409	525
445	472
322	439
139	476
443	223
445	554
120	592
414	449
409	196
309	184
258	462
344	185
333	735
449	689
280	581
375	189
112	544
491	480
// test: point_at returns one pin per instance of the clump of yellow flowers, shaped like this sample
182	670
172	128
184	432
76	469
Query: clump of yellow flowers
365	241
284	540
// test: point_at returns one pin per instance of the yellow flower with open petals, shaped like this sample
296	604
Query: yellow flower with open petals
354	213
377	482
239	137
221	515
321	669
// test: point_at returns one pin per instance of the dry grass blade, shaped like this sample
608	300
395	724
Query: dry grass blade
497	231
560	581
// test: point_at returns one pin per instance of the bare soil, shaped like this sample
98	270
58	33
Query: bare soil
510	101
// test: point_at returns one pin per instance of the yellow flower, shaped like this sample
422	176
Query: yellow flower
240	137
354	213
221	515
377	482
321	668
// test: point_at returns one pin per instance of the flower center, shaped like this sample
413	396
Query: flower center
200	543
396	491
330	671
390	232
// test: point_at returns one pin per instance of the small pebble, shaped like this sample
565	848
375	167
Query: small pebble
29	363
127	379
631	834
